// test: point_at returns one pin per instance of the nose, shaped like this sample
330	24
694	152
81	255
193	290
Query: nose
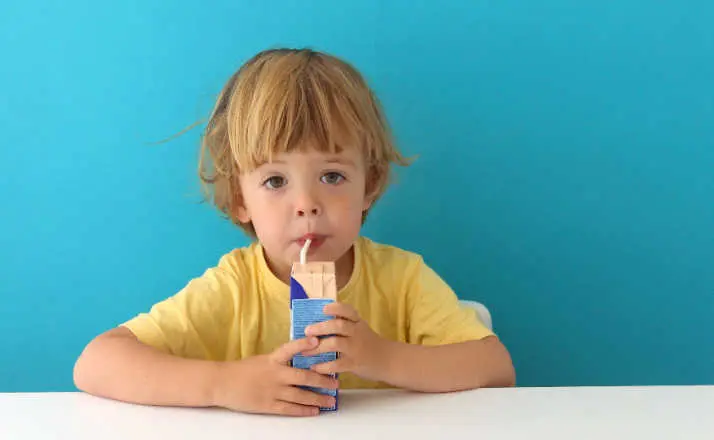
307	204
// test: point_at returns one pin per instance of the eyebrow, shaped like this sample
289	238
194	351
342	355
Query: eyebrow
337	160
341	161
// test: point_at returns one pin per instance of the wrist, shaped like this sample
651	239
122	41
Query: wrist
392	361
407	366
213	389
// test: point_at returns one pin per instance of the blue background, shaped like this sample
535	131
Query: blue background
565	172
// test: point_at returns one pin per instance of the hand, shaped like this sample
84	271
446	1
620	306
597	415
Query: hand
267	384
361	350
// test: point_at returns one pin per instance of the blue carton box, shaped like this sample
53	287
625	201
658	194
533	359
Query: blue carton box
312	287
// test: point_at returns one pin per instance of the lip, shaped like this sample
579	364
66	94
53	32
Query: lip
317	240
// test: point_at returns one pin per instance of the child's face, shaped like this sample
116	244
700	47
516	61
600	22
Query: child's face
302	195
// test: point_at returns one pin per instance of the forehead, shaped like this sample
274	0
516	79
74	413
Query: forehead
343	156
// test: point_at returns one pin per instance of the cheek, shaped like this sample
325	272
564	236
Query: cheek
350	208
266	215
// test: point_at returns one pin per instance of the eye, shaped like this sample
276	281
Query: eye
274	182
332	178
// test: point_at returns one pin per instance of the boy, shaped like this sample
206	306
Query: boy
296	148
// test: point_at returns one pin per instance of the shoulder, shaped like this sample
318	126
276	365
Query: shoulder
238	259
382	260
236	266
387	258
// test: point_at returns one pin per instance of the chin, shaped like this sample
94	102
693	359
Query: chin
336	254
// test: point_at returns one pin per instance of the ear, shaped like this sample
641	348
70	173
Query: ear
242	214
368	201
372	187
240	210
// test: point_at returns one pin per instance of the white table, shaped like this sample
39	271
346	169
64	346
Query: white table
520	413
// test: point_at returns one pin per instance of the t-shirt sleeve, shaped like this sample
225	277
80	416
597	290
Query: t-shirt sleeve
437	317
194	323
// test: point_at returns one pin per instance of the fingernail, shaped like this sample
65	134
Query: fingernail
312	340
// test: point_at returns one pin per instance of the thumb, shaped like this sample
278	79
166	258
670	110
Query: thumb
285	352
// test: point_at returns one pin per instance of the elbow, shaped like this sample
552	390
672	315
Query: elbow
509	377
502	377
91	363
502	371
96	365
81	372
78	375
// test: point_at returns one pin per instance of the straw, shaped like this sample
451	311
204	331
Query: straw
303	251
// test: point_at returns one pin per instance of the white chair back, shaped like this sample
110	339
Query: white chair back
482	312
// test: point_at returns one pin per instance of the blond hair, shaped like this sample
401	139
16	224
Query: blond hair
283	100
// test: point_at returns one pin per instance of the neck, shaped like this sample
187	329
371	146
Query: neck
344	267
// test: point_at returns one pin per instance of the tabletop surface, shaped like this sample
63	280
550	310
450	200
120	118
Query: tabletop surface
514	413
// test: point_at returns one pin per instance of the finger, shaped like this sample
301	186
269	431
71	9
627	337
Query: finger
341	310
341	365
305	397
338	326
283	408
285	353
331	344
300	377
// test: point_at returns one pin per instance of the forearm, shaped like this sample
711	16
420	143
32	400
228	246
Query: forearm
116	365
453	367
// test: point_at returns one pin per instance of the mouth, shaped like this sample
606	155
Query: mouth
316	241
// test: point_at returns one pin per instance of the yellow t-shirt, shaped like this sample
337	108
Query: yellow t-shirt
240	308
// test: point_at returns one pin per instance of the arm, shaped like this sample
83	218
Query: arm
428	368
446	347
117	365
449	347
157	357
176	355
451	367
